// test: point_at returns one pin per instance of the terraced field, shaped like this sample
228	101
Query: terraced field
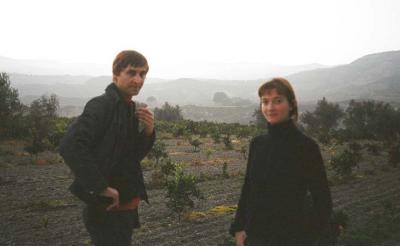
37	209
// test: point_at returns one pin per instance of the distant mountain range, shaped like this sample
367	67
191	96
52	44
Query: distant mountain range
216	70
49	67
374	76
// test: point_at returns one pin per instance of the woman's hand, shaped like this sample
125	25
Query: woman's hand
240	236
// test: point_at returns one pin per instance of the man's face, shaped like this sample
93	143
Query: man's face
275	107
130	80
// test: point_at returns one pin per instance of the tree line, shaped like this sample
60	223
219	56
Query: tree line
39	124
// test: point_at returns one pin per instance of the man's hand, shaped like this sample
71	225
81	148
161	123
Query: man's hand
113	194
147	118
240	236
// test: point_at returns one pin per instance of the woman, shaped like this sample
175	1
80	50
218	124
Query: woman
282	167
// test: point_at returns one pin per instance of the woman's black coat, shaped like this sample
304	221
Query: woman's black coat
283	166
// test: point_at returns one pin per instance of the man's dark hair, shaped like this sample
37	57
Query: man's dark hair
128	57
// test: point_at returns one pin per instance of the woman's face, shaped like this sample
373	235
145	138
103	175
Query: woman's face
275	107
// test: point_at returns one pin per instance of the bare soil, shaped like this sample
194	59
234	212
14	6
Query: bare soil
37	209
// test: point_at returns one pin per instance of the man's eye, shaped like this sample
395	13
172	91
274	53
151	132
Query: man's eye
142	74
132	73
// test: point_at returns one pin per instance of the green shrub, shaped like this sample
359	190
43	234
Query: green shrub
181	191
373	148
228	142
195	143
394	155
158	151
344	162
225	173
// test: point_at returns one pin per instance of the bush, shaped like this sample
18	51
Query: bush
208	153
11	109
225	173
181	190
158	151
373	148
371	120
168	113
394	155
195	143
215	135
228	142
243	151
168	168
42	123
344	162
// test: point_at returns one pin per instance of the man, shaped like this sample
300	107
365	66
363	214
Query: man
104	148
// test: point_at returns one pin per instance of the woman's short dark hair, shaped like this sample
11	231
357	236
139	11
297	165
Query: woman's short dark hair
284	88
128	57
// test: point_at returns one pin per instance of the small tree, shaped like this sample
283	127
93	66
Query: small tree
216	136
372	120
61	125
10	107
222	99
344	162
373	148
158	151
35	148
180	191
208	153
394	155
162	172
195	143
178	131
260	120
322	120
228	142
168	167
243	151
42	123
168	113
225	173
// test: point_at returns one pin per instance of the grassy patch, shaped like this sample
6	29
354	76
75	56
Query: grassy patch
215	211
45	205
380	226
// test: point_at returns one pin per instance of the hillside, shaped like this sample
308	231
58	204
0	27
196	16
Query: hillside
375	76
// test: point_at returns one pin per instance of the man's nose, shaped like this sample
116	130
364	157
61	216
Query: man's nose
137	78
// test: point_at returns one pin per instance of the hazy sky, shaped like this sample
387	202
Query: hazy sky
184	31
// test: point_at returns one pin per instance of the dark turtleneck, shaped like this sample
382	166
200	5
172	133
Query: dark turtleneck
280	129
283	165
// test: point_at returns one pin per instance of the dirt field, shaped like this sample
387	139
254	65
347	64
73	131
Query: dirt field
37	209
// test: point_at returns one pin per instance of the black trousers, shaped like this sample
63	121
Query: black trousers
110	228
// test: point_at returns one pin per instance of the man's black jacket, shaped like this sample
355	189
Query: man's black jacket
283	166
103	147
